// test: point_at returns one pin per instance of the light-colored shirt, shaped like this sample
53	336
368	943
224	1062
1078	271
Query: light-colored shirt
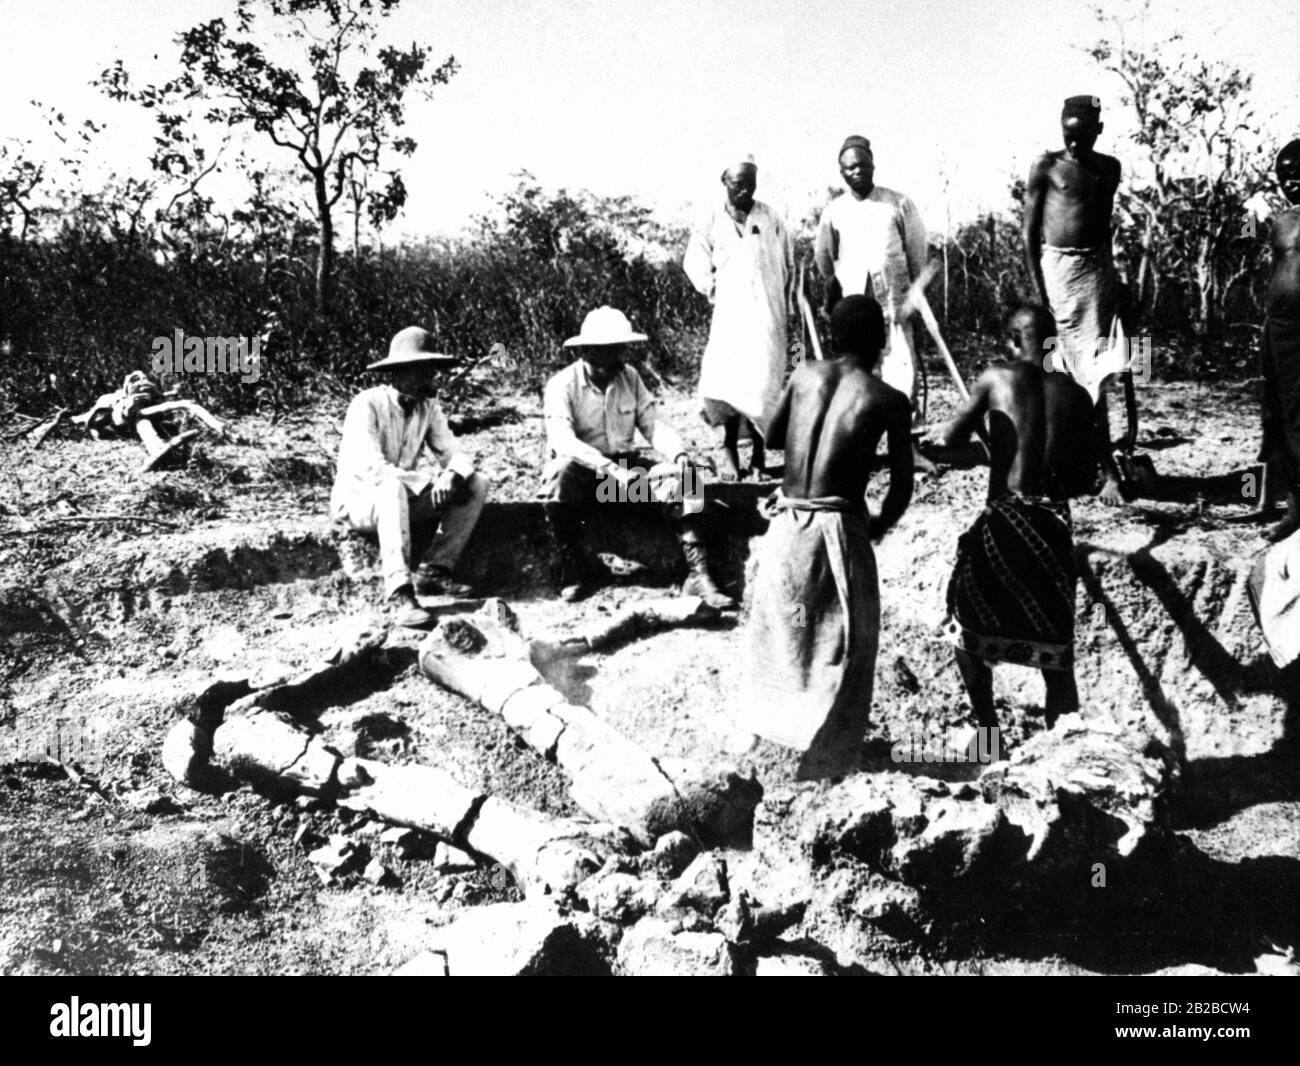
590	425
746	269
874	246
380	440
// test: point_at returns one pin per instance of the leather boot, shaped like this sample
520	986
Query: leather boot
578	575
698	582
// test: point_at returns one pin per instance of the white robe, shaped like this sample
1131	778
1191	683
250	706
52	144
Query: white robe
746	270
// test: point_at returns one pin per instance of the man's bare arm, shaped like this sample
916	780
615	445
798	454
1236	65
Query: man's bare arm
775	435
825	248
970	419
899	436
1031	230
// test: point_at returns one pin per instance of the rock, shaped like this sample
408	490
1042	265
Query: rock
791	966
1082	790
1189	969
734	920
377	873
702	887
340	856
406	843
652	949
446	858
185	752
518	939
715	804
1281	964
150	801
365	733
618	897
673	852
397	835
425	964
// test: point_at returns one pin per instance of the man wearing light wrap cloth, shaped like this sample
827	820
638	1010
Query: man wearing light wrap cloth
1069	197
741	258
815	616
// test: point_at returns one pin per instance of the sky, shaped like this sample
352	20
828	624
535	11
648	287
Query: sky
653	99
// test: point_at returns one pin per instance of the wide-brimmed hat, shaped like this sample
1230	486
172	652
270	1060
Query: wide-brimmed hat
413	347
605	326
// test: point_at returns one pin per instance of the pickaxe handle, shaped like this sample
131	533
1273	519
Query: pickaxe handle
806	313
916	301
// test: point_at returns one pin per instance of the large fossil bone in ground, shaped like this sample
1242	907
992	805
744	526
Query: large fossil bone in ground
484	657
544	854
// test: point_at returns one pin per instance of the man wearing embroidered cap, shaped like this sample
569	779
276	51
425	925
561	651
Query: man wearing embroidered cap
379	489
872	242
593	409
741	258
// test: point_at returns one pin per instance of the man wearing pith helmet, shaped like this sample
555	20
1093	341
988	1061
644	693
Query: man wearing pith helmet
593	409
380	488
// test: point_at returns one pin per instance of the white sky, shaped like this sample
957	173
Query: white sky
652	98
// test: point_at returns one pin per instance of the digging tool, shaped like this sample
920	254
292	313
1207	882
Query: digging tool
158	446
806	313
916	301
197	410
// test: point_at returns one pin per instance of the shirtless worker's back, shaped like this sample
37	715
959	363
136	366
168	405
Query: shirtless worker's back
815	615
1069	198
1011	596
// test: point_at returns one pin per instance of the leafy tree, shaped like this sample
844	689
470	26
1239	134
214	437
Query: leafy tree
339	107
1202	155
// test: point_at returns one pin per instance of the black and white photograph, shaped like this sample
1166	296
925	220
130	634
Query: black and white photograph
694	488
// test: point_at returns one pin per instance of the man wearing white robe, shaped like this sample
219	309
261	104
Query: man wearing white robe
871	241
742	259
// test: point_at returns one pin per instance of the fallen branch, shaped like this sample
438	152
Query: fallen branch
49	427
78	778
84	520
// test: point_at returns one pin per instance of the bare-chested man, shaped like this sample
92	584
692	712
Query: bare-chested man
1011	597
815	616
1069	197
1280	349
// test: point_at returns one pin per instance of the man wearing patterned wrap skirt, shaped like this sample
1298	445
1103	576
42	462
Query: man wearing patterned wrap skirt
1011	597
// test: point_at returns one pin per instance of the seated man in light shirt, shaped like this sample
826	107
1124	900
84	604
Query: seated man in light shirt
593	409
378	488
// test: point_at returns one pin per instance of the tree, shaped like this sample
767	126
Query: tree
1202	157
338	108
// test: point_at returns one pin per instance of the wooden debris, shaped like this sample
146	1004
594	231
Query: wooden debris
85	520
49	427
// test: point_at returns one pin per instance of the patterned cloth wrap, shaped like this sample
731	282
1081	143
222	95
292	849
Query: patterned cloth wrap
1011	596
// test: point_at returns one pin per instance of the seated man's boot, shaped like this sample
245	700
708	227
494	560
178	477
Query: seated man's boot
698	582
434	580
1290	521
579	576
409	614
